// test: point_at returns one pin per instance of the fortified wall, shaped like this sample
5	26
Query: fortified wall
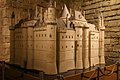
56	45
21	9
110	9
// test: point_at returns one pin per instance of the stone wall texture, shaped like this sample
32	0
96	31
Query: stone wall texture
111	13
21	8
109	8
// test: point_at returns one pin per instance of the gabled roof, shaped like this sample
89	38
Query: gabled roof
65	12
30	23
78	16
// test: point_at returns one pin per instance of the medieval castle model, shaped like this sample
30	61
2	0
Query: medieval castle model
53	45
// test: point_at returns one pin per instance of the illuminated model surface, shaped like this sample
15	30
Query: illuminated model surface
55	45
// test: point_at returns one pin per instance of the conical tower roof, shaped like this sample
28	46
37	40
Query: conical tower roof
65	12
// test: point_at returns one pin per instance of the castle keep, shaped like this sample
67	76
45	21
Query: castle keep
55	45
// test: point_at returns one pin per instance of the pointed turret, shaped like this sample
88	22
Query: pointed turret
102	35
65	13
65	16
13	19
101	21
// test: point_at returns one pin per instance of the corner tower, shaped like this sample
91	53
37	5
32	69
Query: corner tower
51	40
101	40
12	39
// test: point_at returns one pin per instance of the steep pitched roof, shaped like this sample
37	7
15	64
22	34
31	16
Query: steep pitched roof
65	12
78	16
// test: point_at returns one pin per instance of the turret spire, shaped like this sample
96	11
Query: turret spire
65	13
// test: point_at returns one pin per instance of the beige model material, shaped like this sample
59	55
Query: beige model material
56	45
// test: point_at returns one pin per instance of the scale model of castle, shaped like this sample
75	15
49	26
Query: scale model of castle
53	45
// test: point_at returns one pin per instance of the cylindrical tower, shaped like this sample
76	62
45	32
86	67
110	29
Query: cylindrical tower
12	39
30	48
85	49
51	67
101	50
101	40
78	44
12	45
78	48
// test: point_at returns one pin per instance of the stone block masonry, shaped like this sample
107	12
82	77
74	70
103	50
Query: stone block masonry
20	8
7	7
110	9
111	13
